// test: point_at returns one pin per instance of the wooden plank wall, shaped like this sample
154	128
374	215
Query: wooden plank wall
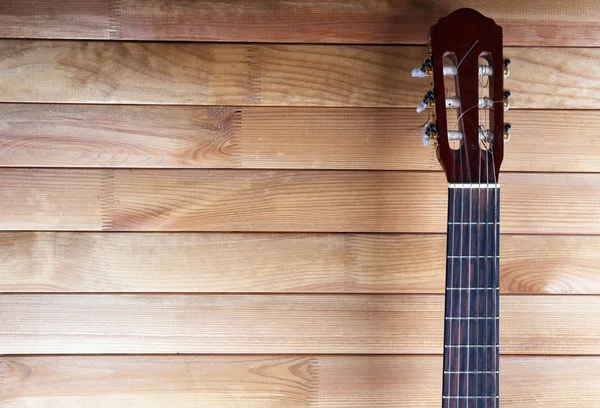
226	204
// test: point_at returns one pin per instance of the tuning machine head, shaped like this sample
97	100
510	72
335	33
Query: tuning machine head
430	135
506	70
507	127
424	70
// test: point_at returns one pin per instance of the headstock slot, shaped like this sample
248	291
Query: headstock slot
464	37
486	114
450	93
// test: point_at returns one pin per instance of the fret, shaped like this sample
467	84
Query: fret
470	396
482	303
449	288
469	331
473	185
471	372
472	318
473	256
480	359
474	223
473	240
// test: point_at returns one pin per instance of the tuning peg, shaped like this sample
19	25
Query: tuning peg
507	127
430	135
427	102
424	71
506	103
506	70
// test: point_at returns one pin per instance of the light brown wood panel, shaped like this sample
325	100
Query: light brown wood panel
284	200
301	263
230	74
411	381
42	135
390	139
274	324
539	22
220	262
57	19
275	381
278	75
53	199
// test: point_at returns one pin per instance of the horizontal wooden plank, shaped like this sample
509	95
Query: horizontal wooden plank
48	135
274	381
390	139
284	200
539	22
300	263
329	324
276	75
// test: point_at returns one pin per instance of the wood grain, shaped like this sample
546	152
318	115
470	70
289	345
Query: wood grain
56	19
540	22
270	75
284	201
275	324
275	263
274	381
53	199
46	135
52	135
390	139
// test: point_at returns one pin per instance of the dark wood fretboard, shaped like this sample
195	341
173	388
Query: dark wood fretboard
471	363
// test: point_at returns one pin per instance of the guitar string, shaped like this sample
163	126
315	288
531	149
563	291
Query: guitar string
449	352
496	280
451	283
484	272
462	248
461	254
478	293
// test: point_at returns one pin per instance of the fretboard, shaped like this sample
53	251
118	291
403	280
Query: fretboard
471	353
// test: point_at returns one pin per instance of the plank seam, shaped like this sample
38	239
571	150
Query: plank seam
254	75
114	20
107	198
229	141
313	382
350	263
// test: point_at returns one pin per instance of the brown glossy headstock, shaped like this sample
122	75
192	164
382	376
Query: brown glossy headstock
461	41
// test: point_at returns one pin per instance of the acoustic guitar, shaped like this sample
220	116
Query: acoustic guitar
466	126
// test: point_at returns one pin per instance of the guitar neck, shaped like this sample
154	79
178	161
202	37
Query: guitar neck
471	363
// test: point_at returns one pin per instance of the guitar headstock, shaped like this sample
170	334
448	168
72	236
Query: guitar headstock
467	98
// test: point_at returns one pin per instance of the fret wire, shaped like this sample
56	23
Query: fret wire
474	185
475	223
448	288
473	257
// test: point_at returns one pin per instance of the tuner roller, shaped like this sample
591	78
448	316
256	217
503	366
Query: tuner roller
484	70
507	127
506	103
506	70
